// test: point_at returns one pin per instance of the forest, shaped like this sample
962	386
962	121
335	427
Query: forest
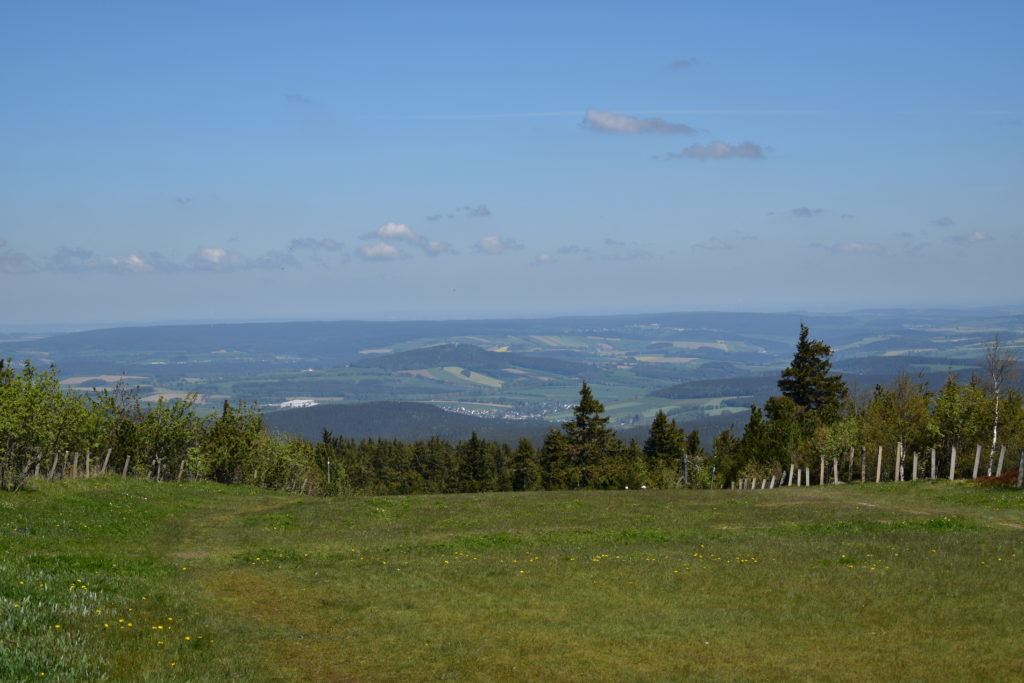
46	429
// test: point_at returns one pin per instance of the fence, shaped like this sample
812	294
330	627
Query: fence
800	475
71	465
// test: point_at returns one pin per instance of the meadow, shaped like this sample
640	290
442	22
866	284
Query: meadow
130	579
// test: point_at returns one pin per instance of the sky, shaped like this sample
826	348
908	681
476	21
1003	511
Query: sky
229	161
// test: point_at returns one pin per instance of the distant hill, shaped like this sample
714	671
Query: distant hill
478	359
406	421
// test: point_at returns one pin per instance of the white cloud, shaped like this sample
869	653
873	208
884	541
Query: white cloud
434	247
610	122
970	238
217	258
399	232
395	231
944	222
721	150
496	245
381	251
133	263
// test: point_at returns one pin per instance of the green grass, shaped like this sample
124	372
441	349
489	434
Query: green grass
911	581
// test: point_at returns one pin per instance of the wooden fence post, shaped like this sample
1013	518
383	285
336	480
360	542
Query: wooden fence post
807	476
106	459
181	470
863	464
835	470
772	485
1020	471
952	463
1002	456
88	472
124	470
913	477
977	461
933	464
896	470
821	475
850	468
64	465
789	482
74	467
799	475
53	467
878	468
764	482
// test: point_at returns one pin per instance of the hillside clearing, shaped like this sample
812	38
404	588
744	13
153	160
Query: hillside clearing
843	583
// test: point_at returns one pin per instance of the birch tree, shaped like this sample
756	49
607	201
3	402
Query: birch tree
1000	366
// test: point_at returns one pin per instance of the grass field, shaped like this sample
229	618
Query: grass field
137	580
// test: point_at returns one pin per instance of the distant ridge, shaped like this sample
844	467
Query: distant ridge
476	358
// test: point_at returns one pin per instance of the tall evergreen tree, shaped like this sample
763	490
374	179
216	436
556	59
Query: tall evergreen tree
526	475
587	440
807	381
666	450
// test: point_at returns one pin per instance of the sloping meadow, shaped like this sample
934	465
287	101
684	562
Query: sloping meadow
134	579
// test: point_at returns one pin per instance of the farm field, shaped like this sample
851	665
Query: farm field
134	579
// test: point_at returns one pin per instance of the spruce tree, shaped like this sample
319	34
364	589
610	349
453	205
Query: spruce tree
587	441
666	450
807	382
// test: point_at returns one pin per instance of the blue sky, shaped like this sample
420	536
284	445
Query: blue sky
254	161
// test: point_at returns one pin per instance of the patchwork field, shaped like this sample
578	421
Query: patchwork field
132	579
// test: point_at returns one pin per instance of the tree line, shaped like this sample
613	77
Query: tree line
41	421
815	416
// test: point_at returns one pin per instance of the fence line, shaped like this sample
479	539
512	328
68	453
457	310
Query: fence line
801	475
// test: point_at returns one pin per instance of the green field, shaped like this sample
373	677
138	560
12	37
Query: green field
206	582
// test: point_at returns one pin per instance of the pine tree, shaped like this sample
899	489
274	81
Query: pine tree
587	440
525	469
666	450
589	424
807	381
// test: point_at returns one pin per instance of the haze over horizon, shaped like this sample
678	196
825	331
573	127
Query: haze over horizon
456	160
